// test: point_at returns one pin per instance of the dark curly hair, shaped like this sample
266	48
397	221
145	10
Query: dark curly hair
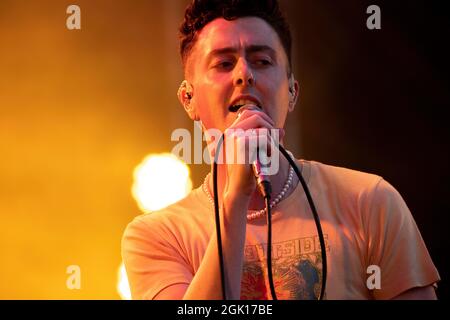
200	12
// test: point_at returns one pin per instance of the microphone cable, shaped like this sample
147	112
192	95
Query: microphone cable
316	219
269	225
269	248
217	218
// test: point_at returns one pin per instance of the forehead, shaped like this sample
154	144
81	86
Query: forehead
239	33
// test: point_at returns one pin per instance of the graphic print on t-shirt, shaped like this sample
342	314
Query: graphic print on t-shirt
296	265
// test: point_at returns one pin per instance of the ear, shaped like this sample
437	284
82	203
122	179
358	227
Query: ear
185	96
294	90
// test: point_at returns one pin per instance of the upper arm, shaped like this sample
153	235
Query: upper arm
418	293
155	266
173	292
396	246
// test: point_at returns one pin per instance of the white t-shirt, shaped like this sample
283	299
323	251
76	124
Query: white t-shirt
364	220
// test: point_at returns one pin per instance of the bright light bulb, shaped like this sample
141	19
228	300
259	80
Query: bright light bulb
160	180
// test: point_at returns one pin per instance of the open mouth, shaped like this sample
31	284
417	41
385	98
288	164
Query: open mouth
236	107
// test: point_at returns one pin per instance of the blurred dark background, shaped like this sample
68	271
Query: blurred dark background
80	109
377	100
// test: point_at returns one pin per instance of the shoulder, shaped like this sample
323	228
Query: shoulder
357	192
342	180
169	220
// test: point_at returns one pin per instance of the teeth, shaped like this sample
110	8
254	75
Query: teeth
240	103
243	102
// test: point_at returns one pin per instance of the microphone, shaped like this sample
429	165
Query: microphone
261	174
260	164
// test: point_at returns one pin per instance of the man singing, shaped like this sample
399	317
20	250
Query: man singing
237	66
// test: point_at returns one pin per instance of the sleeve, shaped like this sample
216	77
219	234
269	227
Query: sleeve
395	244
152	262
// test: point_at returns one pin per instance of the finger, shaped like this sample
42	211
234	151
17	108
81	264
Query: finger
248	113
252	122
246	143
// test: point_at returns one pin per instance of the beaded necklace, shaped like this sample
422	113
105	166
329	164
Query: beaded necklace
259	213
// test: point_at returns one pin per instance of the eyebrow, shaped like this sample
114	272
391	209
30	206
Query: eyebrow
248	50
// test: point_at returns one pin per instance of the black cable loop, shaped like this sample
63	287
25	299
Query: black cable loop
269	225
316	220
217	217
269	249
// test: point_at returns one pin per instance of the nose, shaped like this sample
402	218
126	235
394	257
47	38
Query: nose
243	74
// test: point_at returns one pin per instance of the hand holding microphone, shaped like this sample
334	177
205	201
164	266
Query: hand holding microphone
260	163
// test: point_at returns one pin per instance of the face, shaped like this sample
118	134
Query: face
237	60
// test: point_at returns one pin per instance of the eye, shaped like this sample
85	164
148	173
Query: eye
262	62
224	65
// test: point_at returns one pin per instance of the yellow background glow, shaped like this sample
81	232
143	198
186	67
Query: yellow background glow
79	109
